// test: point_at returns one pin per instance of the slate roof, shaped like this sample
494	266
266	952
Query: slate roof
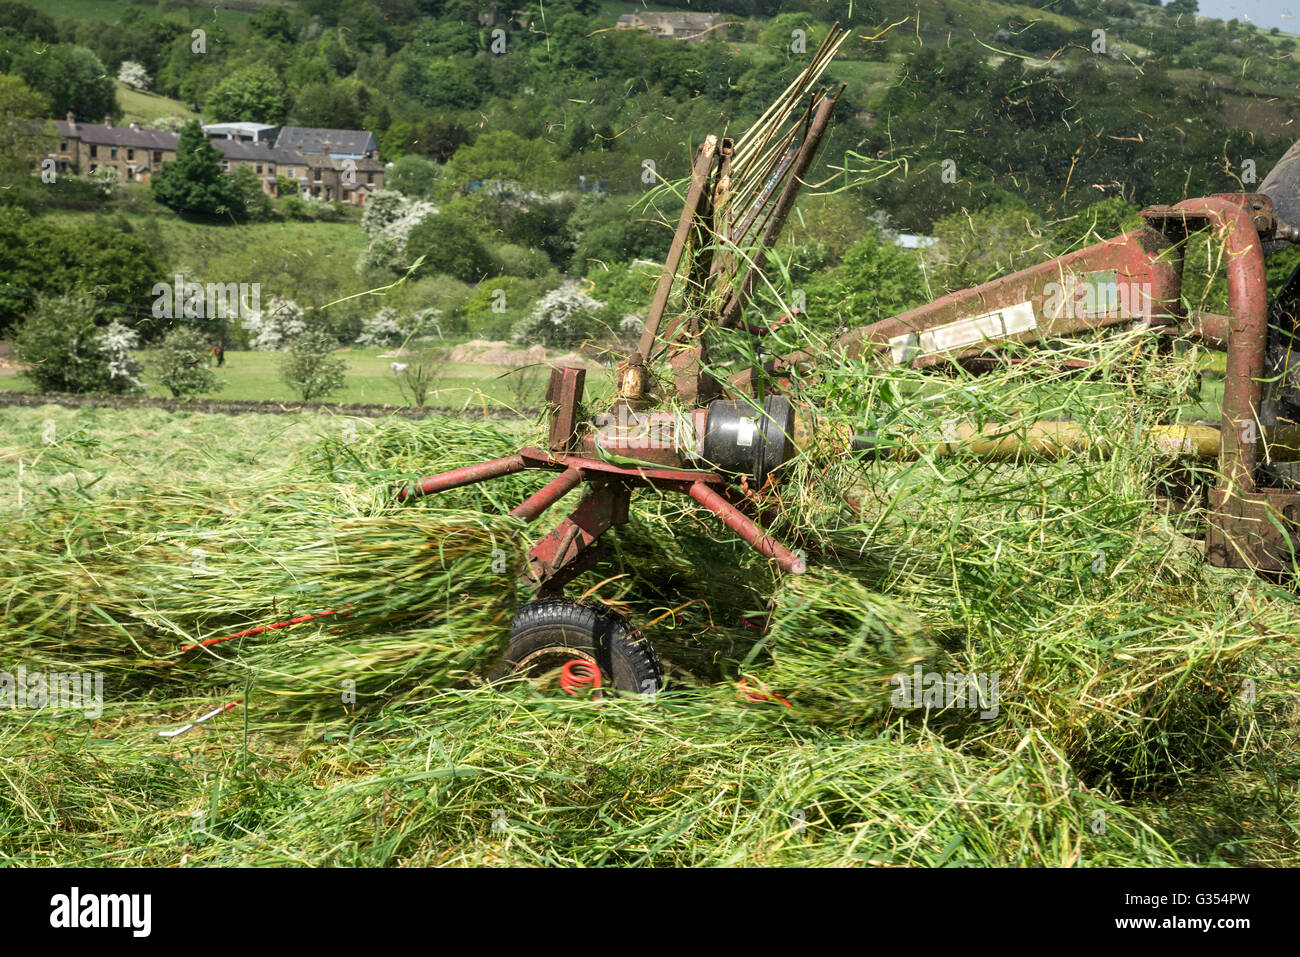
308	139
100	135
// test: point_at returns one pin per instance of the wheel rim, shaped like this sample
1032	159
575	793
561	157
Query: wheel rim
543	668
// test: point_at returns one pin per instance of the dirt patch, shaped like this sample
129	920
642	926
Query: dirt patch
8	364
495	352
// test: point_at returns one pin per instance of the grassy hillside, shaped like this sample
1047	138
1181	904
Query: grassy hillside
110	10
142	107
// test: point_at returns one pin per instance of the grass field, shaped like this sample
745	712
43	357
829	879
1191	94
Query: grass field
370	379
141	107
1147	711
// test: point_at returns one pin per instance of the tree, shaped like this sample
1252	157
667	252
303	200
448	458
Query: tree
70	78
25	22
446	85
563	317
253	94
20	137
182	363
449	246
502	155
276	326
607	230
193	182
134	75
413	176
272	23
876	279
252	198
310	368
974	248
66	350
103	262
436	137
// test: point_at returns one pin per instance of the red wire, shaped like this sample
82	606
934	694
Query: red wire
261	628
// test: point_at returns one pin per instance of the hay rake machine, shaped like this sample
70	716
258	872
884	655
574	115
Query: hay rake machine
715	441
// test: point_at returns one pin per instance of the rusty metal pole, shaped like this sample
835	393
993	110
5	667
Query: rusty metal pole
1247	336
695	196
444	481
548	494
751	533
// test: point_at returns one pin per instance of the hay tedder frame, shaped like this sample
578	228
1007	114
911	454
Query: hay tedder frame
716	441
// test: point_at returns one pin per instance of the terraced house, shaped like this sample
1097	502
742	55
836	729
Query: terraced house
134	152
343	165
333	165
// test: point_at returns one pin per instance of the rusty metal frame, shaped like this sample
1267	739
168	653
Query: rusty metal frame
1249	527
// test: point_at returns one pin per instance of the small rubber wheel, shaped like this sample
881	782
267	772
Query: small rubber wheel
551	631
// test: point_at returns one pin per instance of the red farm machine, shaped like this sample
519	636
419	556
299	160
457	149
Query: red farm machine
715	440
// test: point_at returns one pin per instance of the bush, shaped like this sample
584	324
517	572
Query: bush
254	201
414	176
381	329
611	230
274	327
563	317
310	368
418	374
67	351
449	246
182	363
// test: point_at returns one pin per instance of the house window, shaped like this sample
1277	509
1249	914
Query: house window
157	156
290	171
112	152
94	152
259	169
130	154
63	146
225	166
317	172
370	179
93	167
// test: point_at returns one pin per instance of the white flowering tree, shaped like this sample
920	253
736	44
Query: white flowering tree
563	317
381	329
107	179
273	328
134	75
115	342
388	220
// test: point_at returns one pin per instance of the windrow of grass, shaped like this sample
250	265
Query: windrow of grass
1144	709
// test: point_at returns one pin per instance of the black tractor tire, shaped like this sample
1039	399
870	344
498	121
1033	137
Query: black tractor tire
550	631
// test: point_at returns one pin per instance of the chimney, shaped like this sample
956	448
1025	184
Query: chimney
72	120
108	119
134	126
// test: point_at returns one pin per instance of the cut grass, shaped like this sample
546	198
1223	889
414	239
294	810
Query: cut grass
1123	733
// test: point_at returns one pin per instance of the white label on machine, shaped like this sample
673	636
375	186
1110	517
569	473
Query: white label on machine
744	432
964	332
